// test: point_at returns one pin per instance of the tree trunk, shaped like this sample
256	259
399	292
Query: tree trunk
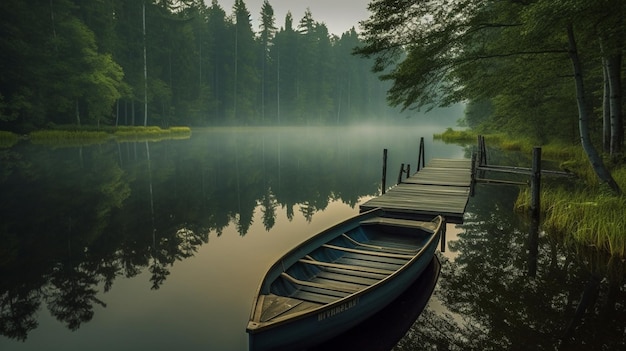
606	109
77	114
615	102
583	118
145	70
278	88
54	31
236	70
264	64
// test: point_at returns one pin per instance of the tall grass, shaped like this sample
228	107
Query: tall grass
456	136
590	216
586	213
556	150
151	133
91	135
68	137
8	139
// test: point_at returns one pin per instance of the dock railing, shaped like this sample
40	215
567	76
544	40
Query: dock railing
480	166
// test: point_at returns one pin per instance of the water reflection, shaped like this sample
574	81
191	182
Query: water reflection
74	222
569	299
383	330
75	219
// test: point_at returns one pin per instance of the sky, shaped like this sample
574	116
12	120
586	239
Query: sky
338	15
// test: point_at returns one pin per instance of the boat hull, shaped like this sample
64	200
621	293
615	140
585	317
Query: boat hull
328	320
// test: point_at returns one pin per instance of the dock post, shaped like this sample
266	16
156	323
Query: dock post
473	175
479	150
421	157
384	186
400	173
535	212
408	170
482	153
443	236
533	246
535	184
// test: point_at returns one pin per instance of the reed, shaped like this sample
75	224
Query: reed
151	133
456	136
72	136
555	150
180	130
584	214
589	217
68	137
512	145
8	139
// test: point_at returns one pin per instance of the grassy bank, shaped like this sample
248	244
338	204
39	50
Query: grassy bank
584	212
8	139
68	137
151	133
502	141
88	136
456	136
585	216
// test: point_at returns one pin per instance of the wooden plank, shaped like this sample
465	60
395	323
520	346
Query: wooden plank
384	247
274	306
406	223
368	253
335	288
442	187
312	297
348	267
417	201
376	259
376	276
450	163
368	264
347	278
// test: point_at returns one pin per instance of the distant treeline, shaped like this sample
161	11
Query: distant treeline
86	62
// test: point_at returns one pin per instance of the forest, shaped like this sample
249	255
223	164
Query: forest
511	60
176	62
545	70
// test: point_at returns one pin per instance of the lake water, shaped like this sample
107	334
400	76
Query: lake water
161	245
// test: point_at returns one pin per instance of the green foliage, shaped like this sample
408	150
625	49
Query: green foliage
585	212
82	62
88	136
68	138
456	136
8	139
150	133
588	217
509	59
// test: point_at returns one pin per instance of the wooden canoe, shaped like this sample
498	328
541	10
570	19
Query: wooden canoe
339	277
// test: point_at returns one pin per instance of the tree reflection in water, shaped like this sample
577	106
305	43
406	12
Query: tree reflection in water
574	301
72	221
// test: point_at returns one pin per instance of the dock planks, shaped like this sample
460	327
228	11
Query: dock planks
442	187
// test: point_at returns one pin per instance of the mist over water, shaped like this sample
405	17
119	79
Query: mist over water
162	245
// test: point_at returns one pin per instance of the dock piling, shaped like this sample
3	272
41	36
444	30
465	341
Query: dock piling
443	237
421	156
473	174
535	184
400	173
384	181
442	187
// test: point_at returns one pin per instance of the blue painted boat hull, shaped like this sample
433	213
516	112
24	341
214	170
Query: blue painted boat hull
338	278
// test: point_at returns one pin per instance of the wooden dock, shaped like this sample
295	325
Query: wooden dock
442	187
